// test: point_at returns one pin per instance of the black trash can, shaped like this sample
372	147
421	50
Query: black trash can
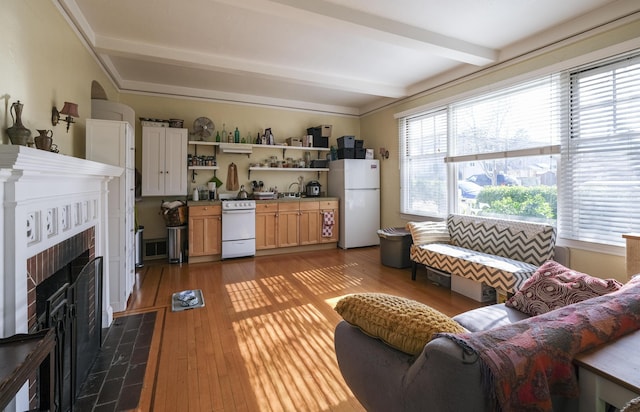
395	247
177	242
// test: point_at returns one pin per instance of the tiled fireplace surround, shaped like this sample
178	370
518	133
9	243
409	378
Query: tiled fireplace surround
48	262
50	203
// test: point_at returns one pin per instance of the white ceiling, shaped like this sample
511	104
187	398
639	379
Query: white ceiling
340	56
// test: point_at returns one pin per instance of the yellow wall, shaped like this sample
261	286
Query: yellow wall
43	64
381	130
249	119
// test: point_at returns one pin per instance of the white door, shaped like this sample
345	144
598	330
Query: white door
176	162
153	154
359	218
362	174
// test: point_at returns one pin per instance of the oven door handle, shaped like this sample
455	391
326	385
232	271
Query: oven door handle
237	212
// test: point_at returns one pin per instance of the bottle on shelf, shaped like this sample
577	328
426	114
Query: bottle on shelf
218	136
236	136
223	133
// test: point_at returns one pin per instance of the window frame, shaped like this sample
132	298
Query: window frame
562	69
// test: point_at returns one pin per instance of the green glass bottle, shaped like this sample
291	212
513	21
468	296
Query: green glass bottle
236	136
218	136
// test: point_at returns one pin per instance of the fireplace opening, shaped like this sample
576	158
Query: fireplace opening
70	302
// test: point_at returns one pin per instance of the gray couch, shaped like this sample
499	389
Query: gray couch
442	378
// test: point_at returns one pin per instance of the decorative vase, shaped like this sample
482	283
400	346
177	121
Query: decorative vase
18	134
44	140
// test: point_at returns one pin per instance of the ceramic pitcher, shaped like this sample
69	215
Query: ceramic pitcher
44	140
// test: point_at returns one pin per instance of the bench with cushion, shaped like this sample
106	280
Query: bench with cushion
500	253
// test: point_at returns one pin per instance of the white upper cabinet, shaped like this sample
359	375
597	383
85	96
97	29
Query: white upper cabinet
164	161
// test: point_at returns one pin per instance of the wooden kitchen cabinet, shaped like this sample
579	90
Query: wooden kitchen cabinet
266	226
310	224
329	206
205	230
288	223
164	161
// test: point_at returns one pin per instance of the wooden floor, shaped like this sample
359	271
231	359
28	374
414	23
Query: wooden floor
264	340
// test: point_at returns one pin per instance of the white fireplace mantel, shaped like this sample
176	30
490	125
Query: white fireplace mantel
46	199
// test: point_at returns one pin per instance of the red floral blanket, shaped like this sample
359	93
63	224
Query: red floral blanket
525	363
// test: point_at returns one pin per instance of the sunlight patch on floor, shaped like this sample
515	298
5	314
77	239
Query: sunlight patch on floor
333	300
289	355
261	293
328	280
247	295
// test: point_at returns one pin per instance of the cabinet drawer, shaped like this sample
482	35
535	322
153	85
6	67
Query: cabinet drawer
205	210
288	206
328	204
309	205
266	207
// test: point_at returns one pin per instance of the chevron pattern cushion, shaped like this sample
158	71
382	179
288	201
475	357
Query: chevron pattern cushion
500	253
495	271
528	242
401	323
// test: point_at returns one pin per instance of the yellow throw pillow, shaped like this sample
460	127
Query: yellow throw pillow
401	323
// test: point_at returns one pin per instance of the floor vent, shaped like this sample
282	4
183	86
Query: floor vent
155	248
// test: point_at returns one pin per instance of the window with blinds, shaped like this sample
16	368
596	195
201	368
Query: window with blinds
423	174
600	185
563	149
505	146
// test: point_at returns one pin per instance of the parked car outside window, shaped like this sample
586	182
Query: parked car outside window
468	190
501	180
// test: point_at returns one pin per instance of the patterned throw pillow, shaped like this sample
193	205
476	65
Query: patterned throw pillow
401	323
428	232
554	286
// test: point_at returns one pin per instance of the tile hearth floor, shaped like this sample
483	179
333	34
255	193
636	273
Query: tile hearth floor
115	380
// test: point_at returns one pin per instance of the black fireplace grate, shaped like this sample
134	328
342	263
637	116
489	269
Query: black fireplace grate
74	311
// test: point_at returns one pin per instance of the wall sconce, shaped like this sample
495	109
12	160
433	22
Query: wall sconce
70	110
384	153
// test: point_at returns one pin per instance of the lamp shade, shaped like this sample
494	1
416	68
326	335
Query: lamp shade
70	109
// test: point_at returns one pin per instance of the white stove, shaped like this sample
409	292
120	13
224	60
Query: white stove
238	228
238	204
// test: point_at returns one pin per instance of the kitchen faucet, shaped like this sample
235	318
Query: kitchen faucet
299	183
294	183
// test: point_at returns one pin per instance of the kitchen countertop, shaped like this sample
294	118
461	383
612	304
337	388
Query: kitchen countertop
283	199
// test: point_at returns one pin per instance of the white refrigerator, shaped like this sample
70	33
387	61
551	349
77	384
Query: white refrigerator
357	183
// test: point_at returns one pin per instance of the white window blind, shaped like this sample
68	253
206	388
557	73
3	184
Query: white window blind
423	173
600	185
508	137
513	119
